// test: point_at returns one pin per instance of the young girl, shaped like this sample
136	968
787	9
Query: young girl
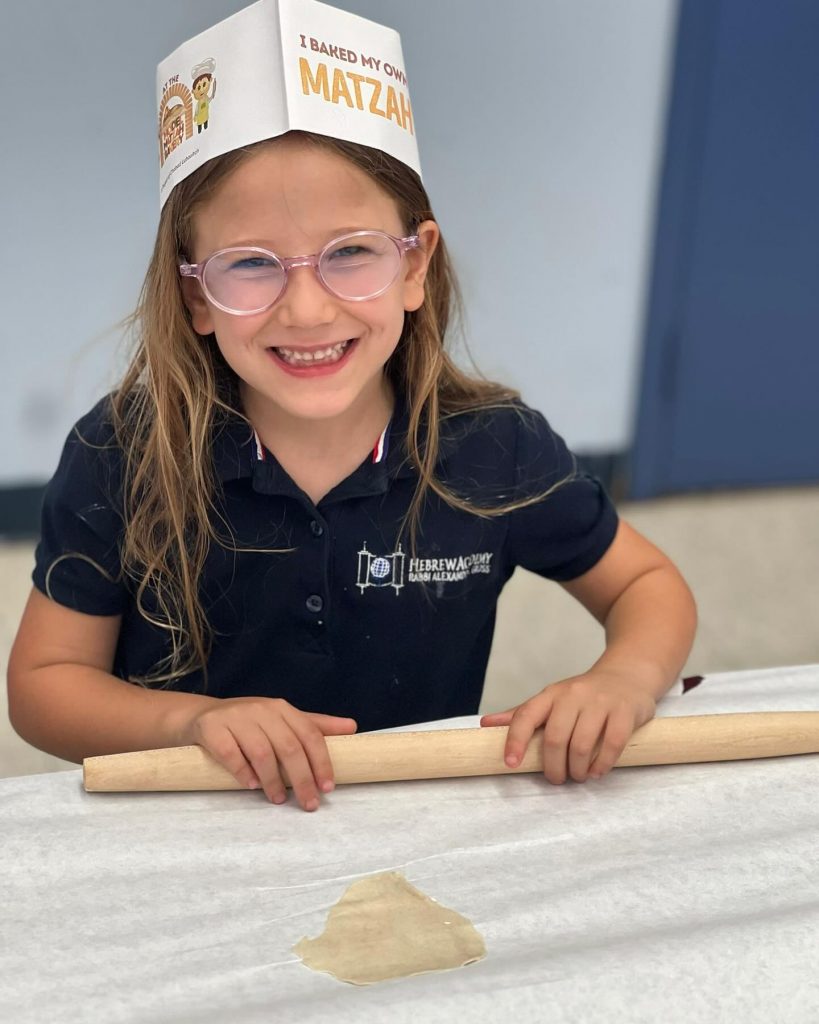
294	516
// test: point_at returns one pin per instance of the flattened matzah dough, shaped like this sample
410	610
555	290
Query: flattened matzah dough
383	927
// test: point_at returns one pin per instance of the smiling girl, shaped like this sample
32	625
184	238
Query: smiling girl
294	516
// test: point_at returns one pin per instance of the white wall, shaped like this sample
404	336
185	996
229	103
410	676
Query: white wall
539	125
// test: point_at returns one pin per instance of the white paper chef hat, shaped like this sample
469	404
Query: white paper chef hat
282	65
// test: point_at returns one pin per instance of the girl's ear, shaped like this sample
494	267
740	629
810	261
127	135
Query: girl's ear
198	307
418	263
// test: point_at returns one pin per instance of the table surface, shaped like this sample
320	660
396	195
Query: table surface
672	893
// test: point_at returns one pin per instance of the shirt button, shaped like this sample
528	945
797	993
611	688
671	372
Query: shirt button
316	528
314	603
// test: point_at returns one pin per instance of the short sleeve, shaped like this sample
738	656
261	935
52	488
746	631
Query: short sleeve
567	532
77	560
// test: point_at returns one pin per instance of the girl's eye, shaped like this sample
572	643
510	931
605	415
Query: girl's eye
348	250
252	263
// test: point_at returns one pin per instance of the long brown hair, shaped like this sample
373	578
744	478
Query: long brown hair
177	388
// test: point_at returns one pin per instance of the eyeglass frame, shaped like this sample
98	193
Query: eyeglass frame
287	263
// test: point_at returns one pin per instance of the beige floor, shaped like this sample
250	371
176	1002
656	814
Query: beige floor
751	558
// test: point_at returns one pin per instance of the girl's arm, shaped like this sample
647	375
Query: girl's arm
649	616
64	700
639	596
61	694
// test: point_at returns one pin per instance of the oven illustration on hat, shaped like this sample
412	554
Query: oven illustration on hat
175	119
175	126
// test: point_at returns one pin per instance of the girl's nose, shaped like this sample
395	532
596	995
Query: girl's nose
305	302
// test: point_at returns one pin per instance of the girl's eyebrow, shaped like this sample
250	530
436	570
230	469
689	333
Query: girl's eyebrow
329	236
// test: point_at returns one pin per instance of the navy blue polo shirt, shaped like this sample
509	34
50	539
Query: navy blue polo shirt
348	620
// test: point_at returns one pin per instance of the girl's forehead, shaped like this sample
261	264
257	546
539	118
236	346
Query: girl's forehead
294	197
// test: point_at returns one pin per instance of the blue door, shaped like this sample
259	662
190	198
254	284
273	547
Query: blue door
730	385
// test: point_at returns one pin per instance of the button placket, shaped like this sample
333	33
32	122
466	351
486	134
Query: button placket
316	603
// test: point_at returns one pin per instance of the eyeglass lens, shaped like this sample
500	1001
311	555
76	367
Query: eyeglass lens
355	267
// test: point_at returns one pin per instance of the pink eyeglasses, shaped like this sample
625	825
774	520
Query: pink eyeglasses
355	267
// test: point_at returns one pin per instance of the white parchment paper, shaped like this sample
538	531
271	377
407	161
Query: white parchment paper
677	893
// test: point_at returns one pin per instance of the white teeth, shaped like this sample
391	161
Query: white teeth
330	354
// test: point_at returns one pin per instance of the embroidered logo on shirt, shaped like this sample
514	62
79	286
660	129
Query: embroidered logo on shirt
380	570
449	570
391	570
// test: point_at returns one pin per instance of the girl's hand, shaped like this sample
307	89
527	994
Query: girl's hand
588	720
254	737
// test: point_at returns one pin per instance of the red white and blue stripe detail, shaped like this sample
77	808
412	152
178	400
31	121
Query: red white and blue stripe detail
378	455
259	446
380	449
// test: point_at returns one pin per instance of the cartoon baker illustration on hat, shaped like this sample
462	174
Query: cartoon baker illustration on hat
202	75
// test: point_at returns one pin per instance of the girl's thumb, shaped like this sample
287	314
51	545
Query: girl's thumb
330	725
498	718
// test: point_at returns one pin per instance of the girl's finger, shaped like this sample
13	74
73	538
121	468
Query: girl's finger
258	749
556	736
292	757
498	717
330	725
522	725
315	748
585	742
224	747
619	729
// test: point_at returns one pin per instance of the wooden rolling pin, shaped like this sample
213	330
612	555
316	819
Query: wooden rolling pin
450	753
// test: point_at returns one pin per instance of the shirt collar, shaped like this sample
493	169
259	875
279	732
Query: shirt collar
236	452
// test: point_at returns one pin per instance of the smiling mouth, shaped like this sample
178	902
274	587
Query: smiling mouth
315	357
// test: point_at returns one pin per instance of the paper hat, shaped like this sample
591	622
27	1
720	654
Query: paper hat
282	65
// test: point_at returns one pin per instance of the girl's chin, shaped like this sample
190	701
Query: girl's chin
311	408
